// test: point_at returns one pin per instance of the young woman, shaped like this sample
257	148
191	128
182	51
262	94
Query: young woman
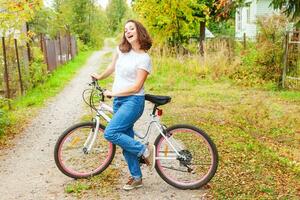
131	65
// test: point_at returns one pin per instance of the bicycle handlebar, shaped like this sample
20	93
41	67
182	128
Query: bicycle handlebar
97	87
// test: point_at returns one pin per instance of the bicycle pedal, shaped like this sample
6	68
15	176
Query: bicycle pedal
141	160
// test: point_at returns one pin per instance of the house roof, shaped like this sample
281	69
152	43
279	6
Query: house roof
208	34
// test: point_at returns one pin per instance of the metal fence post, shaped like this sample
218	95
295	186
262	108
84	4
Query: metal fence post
70	46
6	76
244	41
27	44
60	50
76	47
41	43
55	53
19	70
286	48
45	51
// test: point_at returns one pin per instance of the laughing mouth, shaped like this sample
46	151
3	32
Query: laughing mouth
130	36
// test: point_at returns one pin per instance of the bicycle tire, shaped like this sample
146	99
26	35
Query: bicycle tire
75	173
206	140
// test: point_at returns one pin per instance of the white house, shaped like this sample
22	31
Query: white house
245	18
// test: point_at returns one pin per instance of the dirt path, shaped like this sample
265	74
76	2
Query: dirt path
28	170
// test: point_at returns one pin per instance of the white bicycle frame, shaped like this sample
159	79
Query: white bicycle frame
104	108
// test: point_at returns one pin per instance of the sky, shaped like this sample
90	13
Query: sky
103	3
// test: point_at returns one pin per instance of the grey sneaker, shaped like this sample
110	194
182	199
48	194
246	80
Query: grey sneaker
132	183
150	160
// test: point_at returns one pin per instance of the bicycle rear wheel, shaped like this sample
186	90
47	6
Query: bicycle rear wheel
198	160
71	157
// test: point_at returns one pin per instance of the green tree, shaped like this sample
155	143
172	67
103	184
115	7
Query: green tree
211	10
115	12
14	14
290	7
41	23
167	20
176	21
81	17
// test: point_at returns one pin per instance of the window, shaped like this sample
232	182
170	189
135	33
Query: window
239	19
248	16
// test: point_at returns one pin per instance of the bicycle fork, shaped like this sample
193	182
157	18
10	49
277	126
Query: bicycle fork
91	138
88	145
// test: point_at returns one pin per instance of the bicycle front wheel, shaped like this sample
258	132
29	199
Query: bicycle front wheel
196	163
71	156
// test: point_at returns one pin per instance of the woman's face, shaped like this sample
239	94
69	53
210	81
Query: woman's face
131	33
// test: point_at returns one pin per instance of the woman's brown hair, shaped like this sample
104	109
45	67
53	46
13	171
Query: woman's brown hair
143	38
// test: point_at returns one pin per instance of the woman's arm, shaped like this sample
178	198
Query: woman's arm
141	78
108	71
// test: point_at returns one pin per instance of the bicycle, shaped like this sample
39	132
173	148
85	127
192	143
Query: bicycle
185	156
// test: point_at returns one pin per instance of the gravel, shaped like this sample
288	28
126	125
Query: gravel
28	170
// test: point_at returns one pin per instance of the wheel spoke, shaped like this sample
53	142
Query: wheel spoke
201	164
70	157
173	168
196	163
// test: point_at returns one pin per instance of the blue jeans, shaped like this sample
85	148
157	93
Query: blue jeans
127	110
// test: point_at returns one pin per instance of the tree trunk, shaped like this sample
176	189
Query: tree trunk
202	37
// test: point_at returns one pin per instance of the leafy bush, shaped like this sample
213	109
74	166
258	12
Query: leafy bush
261	61
4	121
97	40
81	46
37	72
222	28
247	72
270	48
4	102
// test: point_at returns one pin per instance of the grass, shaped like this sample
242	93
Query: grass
25	107
53	85
102	185
257	132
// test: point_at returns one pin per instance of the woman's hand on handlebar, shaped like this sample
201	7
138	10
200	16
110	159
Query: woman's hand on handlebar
95	76
108	94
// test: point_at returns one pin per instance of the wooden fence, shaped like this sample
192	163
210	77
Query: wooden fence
16	57
58	51
291	61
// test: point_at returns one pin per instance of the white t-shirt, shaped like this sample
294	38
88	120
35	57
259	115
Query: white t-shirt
126	68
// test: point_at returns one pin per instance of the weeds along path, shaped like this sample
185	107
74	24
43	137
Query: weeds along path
28	170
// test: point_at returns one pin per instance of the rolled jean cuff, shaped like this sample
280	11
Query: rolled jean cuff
142	151
137	177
